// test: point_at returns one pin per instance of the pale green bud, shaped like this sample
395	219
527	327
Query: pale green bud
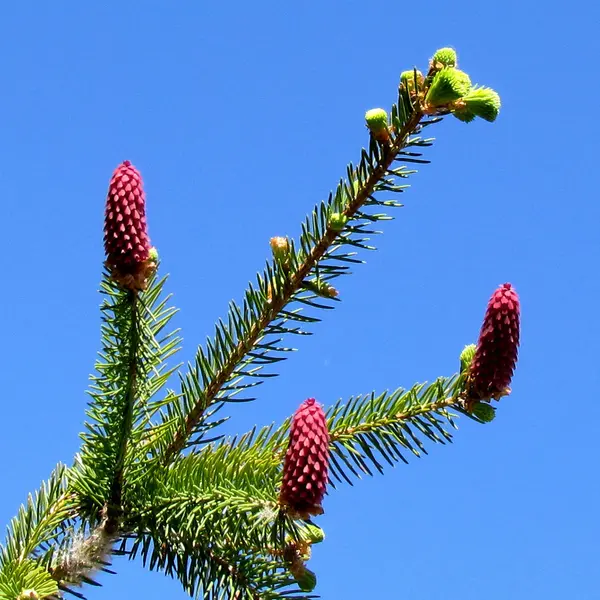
337	221
483	102
466	357
484	412
377	123
448	85
445	56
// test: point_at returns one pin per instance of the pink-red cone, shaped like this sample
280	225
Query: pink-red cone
306	461
126	240
497	349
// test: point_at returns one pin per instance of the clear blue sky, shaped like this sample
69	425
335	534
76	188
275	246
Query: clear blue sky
240	117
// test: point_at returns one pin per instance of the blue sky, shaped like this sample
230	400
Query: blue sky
241	117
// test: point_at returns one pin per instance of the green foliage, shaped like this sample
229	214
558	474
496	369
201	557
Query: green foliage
26	578
280	304
131	369
369	430
41	523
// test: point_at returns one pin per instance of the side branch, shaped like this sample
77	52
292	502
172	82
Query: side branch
114	501
292	286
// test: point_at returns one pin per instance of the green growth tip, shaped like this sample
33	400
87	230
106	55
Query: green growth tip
337	221
407	78
463	114
446	56
466	357
377	120
315	535
484	412
483	102
307	580
448	85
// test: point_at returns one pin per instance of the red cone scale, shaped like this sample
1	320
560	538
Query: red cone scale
497	349
126	241
306	461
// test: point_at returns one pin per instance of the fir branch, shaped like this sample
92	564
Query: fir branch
35	533
240	349
131	369
369	430
212	491
213	571
41	522
116	486
364	430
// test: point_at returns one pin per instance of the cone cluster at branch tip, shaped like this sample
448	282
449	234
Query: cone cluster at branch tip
497	349
126	242
306	463
447	90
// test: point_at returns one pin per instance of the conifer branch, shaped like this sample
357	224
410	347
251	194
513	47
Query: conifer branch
212	569
41	521
293	283
114	501
362	431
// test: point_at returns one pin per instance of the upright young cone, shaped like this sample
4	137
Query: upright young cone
126	240
306	461
497	349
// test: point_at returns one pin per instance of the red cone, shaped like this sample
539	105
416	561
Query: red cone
126	240
497	349
306	461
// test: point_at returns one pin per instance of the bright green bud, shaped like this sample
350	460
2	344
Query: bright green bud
407	78
463	114
466	357
153	254
306	580
313	534
484	412
446	56
377	122
483	102
448	85
337	221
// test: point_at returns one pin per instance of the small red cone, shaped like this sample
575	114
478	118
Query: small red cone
126	240
306	462
497	349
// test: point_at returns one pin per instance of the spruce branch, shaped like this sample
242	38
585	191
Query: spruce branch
364	431
41	522
131	370
213	570
239	349
367	430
